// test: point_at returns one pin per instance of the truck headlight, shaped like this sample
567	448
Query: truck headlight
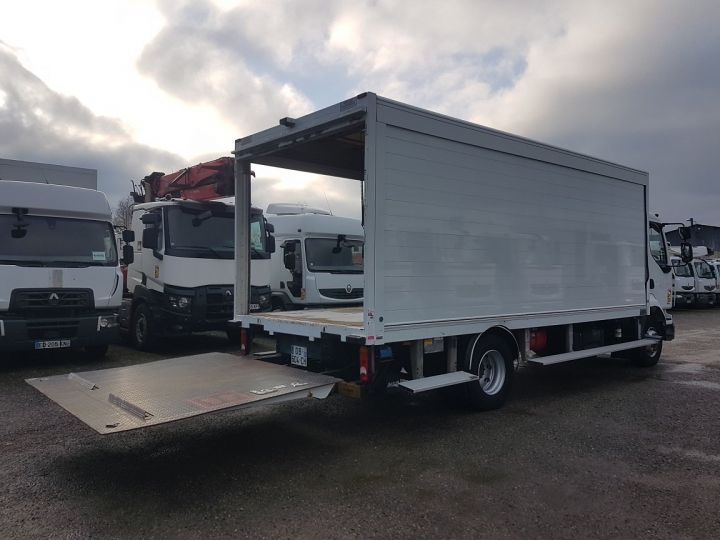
107	321
180	302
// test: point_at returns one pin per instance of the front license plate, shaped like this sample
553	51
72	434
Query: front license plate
298	356
53	344
254	307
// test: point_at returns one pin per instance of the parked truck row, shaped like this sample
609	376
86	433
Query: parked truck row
478	252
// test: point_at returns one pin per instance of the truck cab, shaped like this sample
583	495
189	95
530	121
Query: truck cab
684	291
60	280
320	260
182	277
659	265
705	283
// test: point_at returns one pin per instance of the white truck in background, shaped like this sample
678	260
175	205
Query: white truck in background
696	282
320	258
181	277
60	280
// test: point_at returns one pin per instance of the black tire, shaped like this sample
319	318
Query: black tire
650	355
96	352
492	359
141	328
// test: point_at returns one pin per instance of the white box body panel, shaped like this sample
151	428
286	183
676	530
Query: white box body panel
472	232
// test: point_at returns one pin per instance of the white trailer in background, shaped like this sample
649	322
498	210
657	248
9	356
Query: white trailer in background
46	173
320	260
458	218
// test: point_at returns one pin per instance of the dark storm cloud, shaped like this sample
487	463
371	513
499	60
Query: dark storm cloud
38	124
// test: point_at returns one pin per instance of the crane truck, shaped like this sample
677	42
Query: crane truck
455	216
181	276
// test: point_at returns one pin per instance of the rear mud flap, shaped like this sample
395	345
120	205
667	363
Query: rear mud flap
132	397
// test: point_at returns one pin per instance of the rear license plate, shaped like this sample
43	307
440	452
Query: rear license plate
298	356
52	344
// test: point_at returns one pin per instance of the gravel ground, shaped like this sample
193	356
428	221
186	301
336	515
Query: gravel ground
593	448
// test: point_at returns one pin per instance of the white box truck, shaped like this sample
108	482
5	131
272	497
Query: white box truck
60	280
457	219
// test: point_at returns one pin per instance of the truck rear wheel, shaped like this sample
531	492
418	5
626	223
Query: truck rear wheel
141	328
492	359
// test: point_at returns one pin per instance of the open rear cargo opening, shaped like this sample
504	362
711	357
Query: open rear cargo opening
330	143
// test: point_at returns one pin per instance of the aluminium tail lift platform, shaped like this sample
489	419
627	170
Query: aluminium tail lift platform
132	397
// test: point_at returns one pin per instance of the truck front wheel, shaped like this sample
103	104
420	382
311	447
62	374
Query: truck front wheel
492	359
141	328
649	355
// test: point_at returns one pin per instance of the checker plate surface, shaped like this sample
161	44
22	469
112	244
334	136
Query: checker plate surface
131	397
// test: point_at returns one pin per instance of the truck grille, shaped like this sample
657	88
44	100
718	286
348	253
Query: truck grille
219	303
35	302
64	328
342	294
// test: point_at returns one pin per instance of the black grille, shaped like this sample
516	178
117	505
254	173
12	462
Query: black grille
219	303
36	301
57	329
342	294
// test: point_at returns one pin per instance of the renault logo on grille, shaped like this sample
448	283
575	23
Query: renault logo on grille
228	292
53	299
348	288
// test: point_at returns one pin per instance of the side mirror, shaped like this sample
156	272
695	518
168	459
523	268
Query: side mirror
151	218
150	238
686	252
128	236
685	233
269	227
128	255
270	243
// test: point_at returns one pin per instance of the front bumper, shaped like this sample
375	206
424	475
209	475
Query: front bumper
211	308
704	299
683	299
22	333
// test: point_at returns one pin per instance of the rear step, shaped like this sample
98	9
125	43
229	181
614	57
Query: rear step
131	397
438	381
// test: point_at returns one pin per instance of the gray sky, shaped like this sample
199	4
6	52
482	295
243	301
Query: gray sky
131	86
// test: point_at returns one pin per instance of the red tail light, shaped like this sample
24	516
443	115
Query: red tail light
538	339
364	356
244	343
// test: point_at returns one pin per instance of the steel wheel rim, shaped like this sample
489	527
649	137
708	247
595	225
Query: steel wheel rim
140	329
653	349
491	372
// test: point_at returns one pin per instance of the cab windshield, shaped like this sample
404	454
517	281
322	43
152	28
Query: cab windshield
703	270
208	232
683	270
334	256
58	242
